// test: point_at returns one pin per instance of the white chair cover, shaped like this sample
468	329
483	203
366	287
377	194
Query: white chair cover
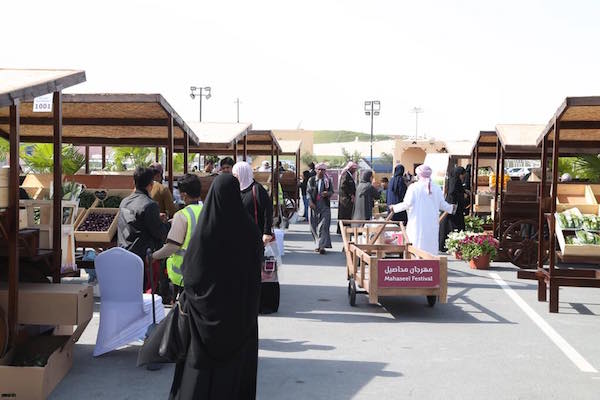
125	312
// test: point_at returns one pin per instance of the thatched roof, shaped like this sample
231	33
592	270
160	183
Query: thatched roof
26	84
105	119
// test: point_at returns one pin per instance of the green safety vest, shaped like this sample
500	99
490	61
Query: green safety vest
174	262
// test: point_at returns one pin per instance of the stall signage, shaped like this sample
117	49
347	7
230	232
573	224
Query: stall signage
43	103
408	273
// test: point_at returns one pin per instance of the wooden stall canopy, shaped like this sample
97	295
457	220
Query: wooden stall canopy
460	149
485	145
105	120
217	137
290	147
26	84
520	141
579	122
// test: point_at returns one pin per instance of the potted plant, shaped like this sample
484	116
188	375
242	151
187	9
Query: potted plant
453	242
478	250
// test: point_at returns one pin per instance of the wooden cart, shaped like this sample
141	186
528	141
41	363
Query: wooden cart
382	270
289	186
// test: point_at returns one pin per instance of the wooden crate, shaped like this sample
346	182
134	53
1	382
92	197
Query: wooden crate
100	237
578	196
584	250
37	186
484	199
594	191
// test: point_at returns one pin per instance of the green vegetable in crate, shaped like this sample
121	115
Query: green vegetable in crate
563	220
576	221
86	199
112	202
570	240
584	237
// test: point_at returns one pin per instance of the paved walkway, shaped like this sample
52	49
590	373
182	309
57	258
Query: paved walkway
479	345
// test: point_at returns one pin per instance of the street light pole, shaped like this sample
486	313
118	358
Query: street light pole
200	92
416	111
238	102
372	108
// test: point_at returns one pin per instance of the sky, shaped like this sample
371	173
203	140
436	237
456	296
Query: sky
311	64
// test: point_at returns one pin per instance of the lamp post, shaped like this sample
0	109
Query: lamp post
416	111
200	92
372	108
237	102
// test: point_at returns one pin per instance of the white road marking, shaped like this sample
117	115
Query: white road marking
558	340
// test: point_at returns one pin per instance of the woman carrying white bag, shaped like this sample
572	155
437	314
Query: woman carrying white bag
257	202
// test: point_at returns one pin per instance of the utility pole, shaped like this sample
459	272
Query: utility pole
237	103
416	111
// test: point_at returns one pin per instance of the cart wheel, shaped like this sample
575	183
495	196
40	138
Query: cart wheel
520	242
352	292
431	300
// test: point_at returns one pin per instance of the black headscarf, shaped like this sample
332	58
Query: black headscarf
456	189
397	187
221	275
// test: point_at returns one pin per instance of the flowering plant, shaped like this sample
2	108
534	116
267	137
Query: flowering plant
475	245
474	223
454	239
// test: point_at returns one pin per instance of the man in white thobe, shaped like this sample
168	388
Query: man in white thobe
423	201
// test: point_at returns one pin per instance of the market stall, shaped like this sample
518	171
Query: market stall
41	317
140	120
573	130
239	140
483	155
515	203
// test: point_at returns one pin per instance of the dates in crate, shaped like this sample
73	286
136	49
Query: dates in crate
96	222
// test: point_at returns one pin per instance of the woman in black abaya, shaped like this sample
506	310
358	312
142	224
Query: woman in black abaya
396	191
456	195
221	273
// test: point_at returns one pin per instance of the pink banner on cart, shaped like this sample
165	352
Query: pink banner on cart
408	273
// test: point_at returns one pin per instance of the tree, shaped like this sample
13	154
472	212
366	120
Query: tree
41	159
388	158
356	156
4	149
308	157
136	156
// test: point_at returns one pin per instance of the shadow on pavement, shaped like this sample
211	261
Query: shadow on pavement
290	346
291	378
330	304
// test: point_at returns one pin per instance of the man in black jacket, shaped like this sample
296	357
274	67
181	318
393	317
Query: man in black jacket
139	225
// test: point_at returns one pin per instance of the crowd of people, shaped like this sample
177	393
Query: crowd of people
415	203
222	291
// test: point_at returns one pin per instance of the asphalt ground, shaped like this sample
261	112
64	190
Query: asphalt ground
482	344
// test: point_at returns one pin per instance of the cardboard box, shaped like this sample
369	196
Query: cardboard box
33	383
52	304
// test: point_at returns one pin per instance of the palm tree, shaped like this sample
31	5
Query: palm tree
137	156
4	149
41	159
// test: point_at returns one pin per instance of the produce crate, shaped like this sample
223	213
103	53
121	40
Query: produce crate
103	236
578	196
586	250
595	192
38	186
483	181
484	199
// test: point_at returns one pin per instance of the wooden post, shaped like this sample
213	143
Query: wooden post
443	294
245	147
501	188
298	178
57	197
170	151
472	210
157	155
235	150
87	160
554	187
186	151
13	220
496	208
103	157
541	281
373	298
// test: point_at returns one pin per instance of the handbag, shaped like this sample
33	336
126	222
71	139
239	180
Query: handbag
169	342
